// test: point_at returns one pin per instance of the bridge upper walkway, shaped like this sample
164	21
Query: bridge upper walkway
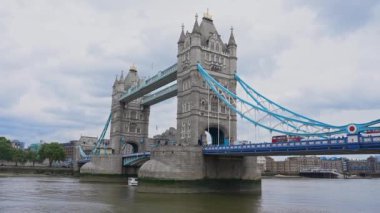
160	95
160	79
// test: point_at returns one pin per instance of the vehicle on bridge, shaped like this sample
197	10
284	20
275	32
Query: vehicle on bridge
372	132
286	138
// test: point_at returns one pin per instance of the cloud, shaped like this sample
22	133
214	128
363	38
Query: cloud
342	17
58	60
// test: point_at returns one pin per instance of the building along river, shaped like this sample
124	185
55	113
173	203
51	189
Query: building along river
65	194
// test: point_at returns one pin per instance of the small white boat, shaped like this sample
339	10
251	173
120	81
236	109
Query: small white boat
132	181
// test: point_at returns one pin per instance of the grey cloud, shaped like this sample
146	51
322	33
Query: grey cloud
312	102
258	59
342	16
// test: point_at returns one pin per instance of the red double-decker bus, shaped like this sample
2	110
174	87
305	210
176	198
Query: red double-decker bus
373	131
279	138
286	138
293	138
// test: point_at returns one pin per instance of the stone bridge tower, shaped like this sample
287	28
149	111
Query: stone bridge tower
197	109
129	121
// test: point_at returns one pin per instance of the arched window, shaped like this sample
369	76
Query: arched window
223	109
203	104
217	47
183	130
212	45
132	128
204	84
133	115
214	105
188	129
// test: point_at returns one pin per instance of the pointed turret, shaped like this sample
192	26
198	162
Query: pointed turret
132	78
207	28
196	26
182	36
115	82
231	41
121	76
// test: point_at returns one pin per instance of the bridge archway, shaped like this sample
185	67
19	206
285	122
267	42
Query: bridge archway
130	147
217	135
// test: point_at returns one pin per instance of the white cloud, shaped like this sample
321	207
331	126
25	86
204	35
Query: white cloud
58	59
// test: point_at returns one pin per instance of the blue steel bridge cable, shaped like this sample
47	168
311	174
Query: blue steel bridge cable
282	120
340	129
213	83
100	141
206	75
247	88
211	79
362	126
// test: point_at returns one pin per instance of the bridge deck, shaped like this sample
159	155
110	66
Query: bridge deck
367	145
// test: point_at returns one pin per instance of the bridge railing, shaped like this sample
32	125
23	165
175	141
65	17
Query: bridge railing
310	143
139	154
131	158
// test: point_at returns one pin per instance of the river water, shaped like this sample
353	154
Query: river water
64	194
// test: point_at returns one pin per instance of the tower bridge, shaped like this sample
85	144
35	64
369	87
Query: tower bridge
206	81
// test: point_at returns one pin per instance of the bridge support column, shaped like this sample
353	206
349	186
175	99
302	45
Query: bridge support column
103	164
184	169
238	168
174	163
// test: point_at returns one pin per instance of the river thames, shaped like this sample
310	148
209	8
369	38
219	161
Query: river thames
65	194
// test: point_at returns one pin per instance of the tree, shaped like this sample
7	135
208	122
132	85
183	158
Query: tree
18	155
5	149
52	151
32	156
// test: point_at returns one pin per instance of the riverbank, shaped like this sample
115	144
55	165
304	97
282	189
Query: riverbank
23	170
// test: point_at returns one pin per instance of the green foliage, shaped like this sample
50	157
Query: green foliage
52	151
19	156
33	157
5	149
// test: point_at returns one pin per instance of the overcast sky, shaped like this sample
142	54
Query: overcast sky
58	59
